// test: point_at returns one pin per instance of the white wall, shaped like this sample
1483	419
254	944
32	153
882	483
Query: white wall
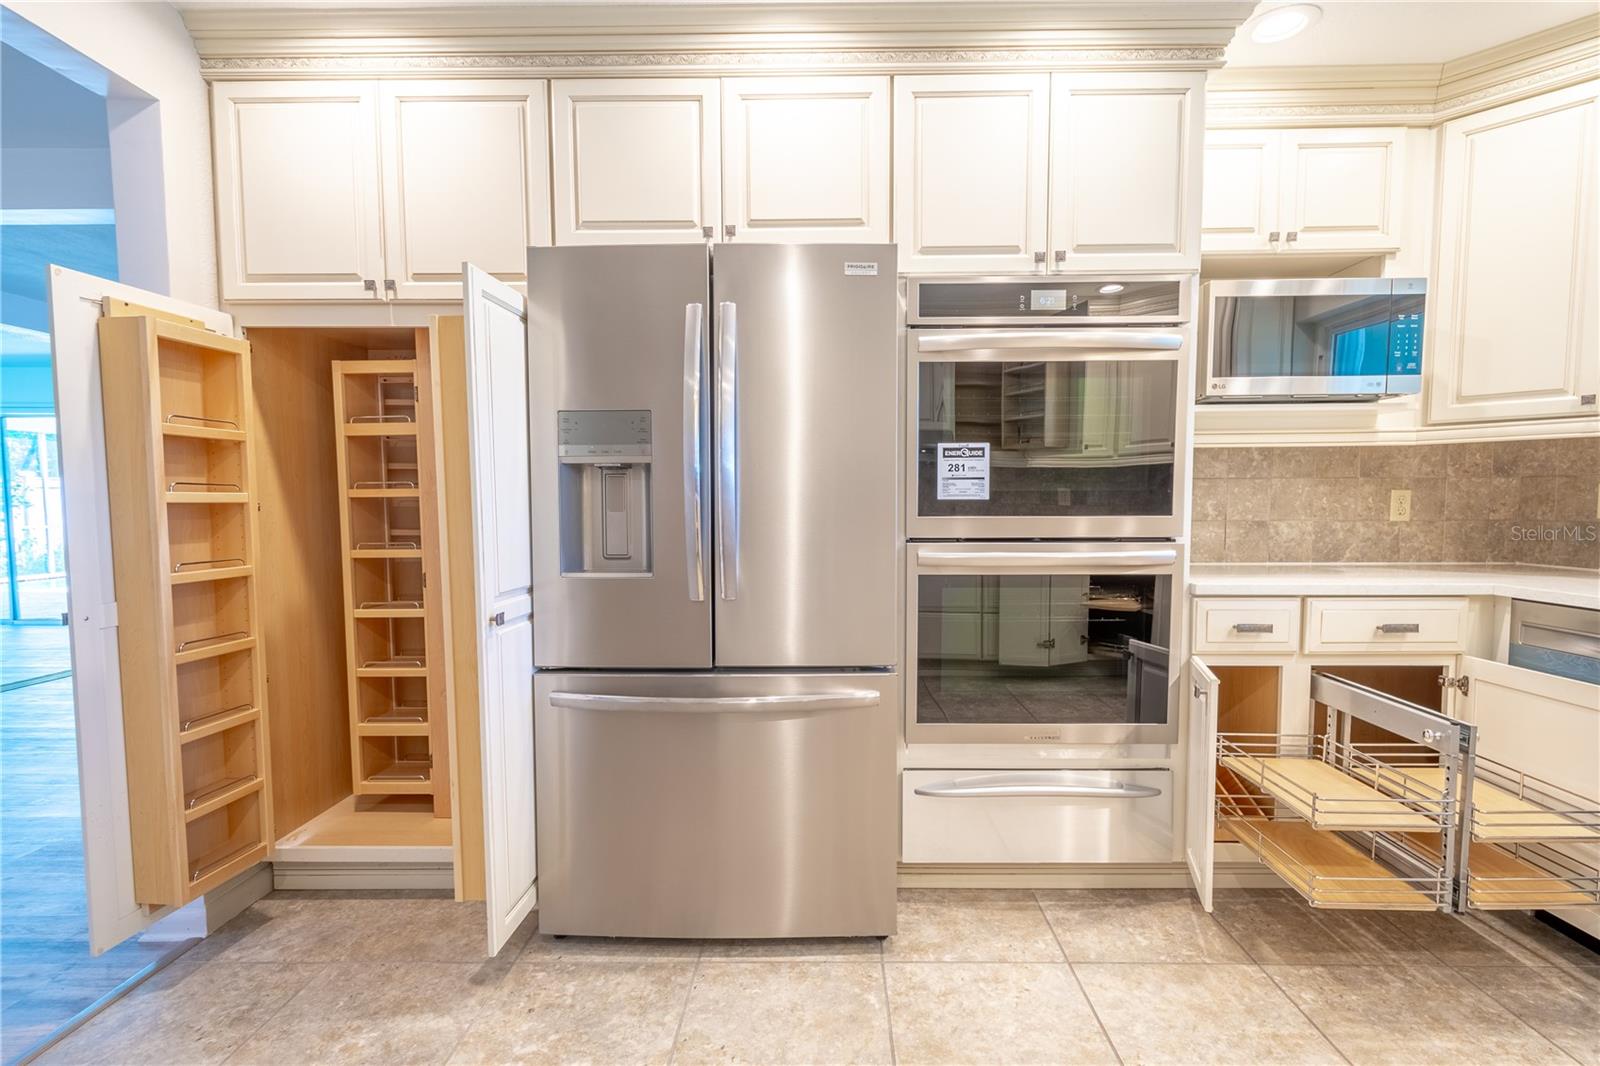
146	47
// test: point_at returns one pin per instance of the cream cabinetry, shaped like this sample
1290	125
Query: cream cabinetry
1304	190
1033	172
805	159
636	160
1513	329
361	191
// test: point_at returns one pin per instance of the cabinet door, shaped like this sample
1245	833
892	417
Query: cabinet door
970	158
1342	190
635	160
1024	620
1125	154
1538	723
1239	206
805	159
1512	315
1200	817
438	213
298	198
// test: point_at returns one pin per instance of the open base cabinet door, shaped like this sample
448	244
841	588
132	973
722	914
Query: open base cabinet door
497	432
77	303
1200	819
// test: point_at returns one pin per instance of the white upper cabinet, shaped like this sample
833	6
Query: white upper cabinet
298	199
1512	316
805	159
1308	190
1125	151
970	158
1240	204
466	169
1342	189
635	160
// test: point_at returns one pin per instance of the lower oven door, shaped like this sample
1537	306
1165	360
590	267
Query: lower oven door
716	805
1054	643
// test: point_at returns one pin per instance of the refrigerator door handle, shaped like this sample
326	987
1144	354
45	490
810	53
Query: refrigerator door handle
693	353
808	701
728	449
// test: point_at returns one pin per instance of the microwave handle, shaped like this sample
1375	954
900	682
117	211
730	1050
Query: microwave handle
933	557
1104	339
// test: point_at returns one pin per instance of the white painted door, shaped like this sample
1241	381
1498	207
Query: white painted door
298	194
1069	619
1512	315
466	177
75	302
635	160
970	162
497	417
1200	817
1025	620
805	159
1342	190
1125	156
1239	192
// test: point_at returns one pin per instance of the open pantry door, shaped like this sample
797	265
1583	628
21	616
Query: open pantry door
76	304
497	431
1200	819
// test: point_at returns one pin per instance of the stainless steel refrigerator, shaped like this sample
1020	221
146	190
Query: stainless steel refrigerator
715	477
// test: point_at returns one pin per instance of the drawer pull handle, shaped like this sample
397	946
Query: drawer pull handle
956	789
1252	627
1399	627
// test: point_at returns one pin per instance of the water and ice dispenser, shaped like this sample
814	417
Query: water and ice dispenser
605	491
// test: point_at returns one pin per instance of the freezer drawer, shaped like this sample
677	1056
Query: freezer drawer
700	805
983	816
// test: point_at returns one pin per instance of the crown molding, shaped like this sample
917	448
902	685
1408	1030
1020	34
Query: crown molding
889	36
1421	95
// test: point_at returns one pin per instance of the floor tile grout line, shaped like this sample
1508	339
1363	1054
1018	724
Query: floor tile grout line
688	993
320	967
1337	1050
1525	1021
1077	981
888	1010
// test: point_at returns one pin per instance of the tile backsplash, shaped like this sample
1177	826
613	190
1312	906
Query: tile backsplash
1515	501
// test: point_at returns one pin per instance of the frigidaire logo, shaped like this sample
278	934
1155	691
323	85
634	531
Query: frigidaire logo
962	452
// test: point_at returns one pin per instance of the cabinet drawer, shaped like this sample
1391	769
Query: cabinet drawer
1246	625
1364	624
1027	816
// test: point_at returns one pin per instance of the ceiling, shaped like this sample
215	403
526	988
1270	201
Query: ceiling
1366	32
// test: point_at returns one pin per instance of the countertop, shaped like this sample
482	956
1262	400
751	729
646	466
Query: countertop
1545	584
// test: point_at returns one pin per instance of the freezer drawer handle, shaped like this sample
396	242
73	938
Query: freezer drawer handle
1252	627
996	789
728	449
970	340
930	557
1399	627
806	701
693	335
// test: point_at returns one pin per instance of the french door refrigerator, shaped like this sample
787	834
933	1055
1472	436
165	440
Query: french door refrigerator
715	547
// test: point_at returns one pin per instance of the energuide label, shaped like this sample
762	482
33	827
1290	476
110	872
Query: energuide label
963	471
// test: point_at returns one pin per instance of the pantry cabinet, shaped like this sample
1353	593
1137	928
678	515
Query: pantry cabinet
636	160
805	159
376	190
1513	322
1304	190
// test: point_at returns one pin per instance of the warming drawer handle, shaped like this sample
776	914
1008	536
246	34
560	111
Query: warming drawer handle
803	701
955	789
1071	337
933	557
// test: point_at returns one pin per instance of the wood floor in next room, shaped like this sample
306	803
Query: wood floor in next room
976	976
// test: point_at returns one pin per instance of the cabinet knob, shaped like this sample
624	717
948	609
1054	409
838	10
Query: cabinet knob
370	285
1038	259
1273	237
705	231
498	618
1291	235
729	231
1061	259
389	286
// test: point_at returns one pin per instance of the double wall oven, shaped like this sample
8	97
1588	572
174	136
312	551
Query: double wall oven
1045	486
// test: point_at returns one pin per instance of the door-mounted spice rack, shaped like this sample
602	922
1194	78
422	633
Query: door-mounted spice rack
179	460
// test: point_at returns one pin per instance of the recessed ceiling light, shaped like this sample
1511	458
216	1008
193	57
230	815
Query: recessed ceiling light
1281	23
1107	290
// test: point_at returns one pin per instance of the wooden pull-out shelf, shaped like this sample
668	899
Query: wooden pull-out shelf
1542	811
1325	796
1330	872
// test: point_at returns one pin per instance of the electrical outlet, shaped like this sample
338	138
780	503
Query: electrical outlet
1400	505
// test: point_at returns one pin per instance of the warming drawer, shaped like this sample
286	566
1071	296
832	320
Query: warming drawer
1036	816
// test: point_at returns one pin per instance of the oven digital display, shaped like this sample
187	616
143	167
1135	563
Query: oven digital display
1047	300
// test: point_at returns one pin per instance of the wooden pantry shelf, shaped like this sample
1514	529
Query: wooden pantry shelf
1501	816
216	649
218	573
203	801
193	729
380	429
1328	798
1327	870
198	431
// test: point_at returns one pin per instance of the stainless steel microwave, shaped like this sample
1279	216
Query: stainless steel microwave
1317	339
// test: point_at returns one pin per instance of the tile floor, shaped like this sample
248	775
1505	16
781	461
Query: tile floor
975	976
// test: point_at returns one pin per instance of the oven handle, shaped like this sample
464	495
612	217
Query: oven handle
933	557
1134	339
999	789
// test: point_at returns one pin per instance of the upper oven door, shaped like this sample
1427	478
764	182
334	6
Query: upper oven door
1042	643
1048	433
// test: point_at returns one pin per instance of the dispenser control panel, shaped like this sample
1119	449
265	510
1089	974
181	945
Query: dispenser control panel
603	436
